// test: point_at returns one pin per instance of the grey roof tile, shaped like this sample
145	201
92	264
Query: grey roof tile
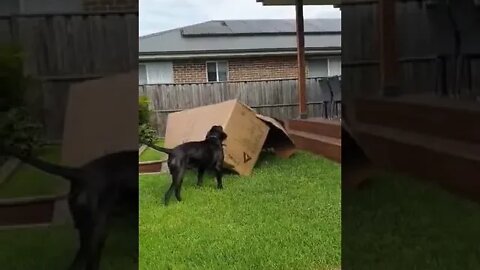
242	35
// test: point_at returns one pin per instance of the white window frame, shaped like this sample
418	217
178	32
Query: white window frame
216	69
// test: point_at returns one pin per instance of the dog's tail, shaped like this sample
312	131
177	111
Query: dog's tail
158	148
69	173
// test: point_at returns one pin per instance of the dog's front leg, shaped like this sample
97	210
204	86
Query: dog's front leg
201	172
219	175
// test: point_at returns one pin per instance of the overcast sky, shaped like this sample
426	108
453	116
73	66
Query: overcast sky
160	15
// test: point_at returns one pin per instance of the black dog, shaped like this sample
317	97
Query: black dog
95	189
203	155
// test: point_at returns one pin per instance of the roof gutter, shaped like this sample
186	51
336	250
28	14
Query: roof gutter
236	55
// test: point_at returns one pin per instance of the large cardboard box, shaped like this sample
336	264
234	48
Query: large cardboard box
247	132
101	118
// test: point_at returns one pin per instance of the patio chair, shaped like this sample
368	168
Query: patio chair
335	88
325	98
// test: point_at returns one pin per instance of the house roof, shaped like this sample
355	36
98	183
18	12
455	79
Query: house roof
242	36
292	2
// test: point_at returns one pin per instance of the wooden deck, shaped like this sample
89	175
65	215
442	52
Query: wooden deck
431	139
319	136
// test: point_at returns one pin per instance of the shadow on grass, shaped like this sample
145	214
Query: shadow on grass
399	223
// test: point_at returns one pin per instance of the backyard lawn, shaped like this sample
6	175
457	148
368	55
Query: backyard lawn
151	154
285	216
399	223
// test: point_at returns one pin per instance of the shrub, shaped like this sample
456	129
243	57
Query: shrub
143	110
17	128
145	131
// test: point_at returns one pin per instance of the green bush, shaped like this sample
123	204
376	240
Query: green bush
12	80
145	131
143	110
17	128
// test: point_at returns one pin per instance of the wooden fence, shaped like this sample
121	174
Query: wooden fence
276	98
425	45
62	49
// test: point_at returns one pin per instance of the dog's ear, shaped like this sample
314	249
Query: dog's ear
223	135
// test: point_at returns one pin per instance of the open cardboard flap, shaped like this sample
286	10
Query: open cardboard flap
277	138
101	118
247	132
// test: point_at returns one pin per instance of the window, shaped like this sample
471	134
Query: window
335	66
217	71
155	73
142	74
318	67
324	67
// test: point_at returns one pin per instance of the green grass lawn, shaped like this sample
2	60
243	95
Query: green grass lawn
285	216
28	181
399	223
151	154
53	248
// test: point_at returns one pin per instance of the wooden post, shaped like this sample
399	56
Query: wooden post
388	54
301	58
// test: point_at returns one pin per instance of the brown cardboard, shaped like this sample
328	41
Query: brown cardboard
247	132
101	118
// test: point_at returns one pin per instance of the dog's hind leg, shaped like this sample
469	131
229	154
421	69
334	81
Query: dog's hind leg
169	192
79	260
201	172
178	183
99	233
84	233
177	177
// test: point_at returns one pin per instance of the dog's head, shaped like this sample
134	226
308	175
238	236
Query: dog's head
217	133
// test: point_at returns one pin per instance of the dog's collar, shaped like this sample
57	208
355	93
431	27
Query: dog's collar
208	137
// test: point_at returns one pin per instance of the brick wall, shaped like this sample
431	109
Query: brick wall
258	68
262	68
110	5
189	71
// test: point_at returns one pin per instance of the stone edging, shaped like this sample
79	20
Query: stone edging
152	161
26	226
32	199
152	173
142	148
8	168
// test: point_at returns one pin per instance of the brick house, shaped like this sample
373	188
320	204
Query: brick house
238	50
